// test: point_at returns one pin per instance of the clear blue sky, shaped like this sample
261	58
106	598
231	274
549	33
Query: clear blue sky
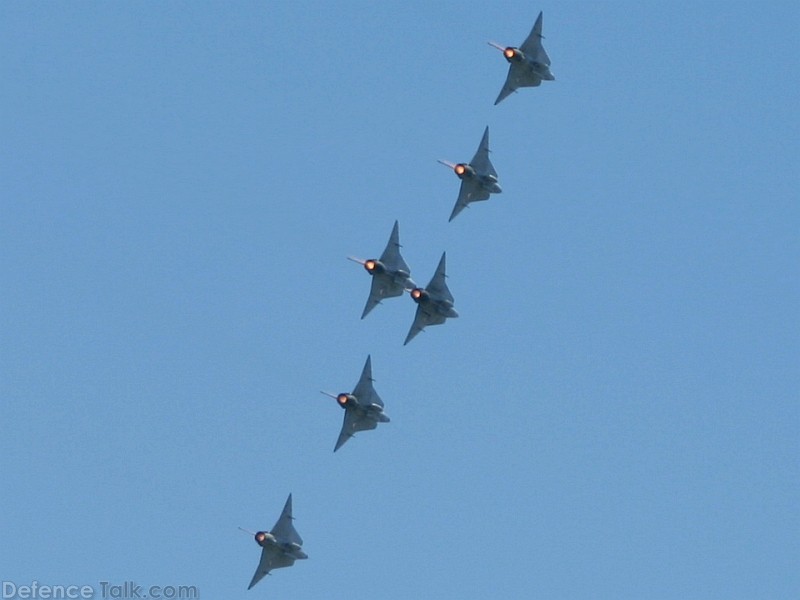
615	413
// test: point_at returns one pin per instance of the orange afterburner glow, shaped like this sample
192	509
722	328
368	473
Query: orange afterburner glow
370	264
509	52
260	537
342	399
460	169
416	293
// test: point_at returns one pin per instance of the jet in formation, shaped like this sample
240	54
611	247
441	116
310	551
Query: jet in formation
528	64
391	276
363	408
434	303
478	178
279	547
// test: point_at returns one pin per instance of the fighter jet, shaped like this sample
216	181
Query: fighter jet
280	547
528	64
478	178
434	303
391	276
363	408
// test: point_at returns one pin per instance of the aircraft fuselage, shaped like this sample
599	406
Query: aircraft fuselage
374	412
489	183
541	70
265	539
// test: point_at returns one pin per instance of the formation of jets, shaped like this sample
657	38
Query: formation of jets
529	65
391	276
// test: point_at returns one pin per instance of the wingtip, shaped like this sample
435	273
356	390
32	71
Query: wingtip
537	26
368	309
411	335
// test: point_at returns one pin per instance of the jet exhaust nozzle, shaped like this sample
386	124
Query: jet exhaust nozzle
419	295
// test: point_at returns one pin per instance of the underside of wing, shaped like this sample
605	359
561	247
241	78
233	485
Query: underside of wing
422	319
542	57
530	80
480	162
476	195
372	302
382	287
517	78
284	528
467	187
532	46
391	254
271	558
508	87
354	421
457	209
364	390
489	168
437	286
471	191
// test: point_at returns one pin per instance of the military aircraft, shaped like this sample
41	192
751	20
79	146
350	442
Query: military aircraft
391	276
528	64
478	178
280	547
434	303
363	408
